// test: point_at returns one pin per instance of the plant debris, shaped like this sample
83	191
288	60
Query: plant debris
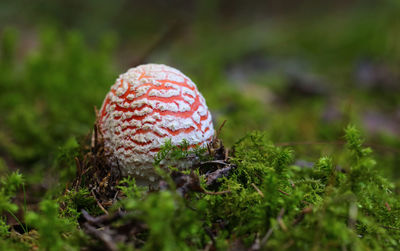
94	172
104	229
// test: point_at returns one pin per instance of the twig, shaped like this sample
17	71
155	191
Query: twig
115	196
99	204
219	129
258	190
353	211
79	171
282	224
221	162
285	193
303	212
388	206
226	157
210	234
217	193
271	230
102	219
214	176
266	237
107	239
208	246
88	217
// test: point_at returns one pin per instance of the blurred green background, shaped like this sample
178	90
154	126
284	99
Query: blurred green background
300	70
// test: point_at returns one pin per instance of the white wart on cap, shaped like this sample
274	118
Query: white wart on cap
147	106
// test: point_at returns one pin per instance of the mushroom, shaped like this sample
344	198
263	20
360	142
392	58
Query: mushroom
147	106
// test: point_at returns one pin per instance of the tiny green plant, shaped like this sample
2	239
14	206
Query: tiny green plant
9	187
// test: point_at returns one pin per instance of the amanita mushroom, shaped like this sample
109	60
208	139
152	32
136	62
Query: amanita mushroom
148	105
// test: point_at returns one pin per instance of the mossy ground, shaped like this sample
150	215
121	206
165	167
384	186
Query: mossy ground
303	181
254	198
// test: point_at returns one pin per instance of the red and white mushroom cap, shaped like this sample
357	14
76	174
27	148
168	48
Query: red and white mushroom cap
148	105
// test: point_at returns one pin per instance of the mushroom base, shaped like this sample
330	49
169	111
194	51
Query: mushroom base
145	174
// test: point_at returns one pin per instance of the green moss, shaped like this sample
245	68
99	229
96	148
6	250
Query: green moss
41	99
267	201
322	208
53	229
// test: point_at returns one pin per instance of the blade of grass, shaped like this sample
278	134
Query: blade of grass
18	221
23	188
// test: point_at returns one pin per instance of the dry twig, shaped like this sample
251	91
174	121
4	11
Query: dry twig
99	204
258	190
261	244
